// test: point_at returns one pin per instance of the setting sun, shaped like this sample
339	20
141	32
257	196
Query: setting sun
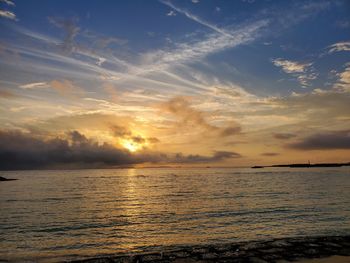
175	131
131	146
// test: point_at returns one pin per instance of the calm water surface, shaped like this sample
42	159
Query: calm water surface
59	215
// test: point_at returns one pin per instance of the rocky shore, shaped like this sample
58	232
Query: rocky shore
274	250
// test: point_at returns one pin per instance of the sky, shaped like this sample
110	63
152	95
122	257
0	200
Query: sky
94	84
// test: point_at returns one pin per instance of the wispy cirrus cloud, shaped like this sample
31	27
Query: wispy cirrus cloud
190	52
8	2
159	61
196	18
35	85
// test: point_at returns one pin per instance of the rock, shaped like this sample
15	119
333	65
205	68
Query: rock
228	254
181	254
152	257
200	250
280	243
331	244
345	244
271	257
256	260
6	179
344	252
288	249
253	245
97	260
186	260
276	250
313	245
123	260
210	256
311	252
222	248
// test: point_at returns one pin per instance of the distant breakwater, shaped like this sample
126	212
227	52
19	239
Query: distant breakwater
274	250
304	165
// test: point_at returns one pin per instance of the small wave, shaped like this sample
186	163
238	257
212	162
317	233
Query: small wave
84	226
141	176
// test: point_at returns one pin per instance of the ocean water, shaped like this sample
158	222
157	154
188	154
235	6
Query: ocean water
63	215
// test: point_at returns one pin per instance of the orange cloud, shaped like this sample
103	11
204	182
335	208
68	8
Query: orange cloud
181	108
66	88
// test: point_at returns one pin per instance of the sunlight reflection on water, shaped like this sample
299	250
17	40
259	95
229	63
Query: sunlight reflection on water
68	214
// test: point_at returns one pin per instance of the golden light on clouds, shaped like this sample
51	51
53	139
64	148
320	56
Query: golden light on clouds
199	98
131	146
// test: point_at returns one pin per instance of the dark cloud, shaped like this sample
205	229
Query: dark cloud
78	138
23	151
153	140
284	136
122	132
20	150
138	139
270	154
230	131
324	141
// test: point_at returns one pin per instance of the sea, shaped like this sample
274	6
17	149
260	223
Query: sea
59	215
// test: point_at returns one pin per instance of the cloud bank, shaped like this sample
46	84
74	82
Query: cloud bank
20	150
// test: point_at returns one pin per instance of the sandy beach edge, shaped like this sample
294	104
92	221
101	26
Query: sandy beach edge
297	249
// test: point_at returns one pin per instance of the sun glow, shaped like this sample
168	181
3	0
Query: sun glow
131	146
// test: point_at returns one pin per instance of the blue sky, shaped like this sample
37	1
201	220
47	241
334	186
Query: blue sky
299	31
235	63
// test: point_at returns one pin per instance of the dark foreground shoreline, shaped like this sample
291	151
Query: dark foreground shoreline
273	250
